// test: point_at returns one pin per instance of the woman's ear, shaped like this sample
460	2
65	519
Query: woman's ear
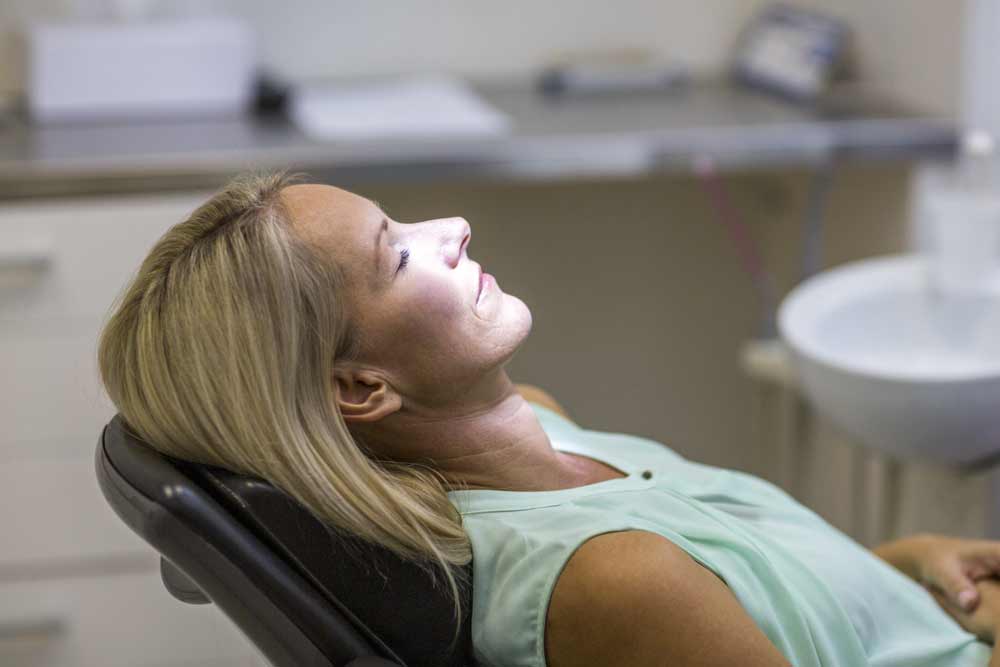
363	396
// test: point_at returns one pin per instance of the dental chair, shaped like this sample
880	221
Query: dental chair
304	594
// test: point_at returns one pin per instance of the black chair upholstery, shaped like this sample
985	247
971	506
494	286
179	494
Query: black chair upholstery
303	593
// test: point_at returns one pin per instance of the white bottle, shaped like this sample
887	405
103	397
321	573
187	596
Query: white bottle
964	212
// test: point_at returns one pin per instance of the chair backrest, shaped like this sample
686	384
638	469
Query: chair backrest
304	593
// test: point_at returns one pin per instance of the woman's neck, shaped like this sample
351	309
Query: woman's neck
477	443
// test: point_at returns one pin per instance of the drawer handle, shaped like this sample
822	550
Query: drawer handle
32	256
45	628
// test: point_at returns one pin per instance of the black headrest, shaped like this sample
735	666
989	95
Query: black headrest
393	597
391	602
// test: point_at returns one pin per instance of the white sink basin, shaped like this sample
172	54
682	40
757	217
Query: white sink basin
897	367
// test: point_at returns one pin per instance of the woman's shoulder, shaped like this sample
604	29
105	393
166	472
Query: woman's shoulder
549	417
642	451
634	597
517	557
539	396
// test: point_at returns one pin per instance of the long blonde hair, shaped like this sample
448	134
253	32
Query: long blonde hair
220	351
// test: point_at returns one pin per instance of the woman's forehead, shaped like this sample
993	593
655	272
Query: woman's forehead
325	214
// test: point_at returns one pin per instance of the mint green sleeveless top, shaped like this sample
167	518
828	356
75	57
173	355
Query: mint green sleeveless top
821	598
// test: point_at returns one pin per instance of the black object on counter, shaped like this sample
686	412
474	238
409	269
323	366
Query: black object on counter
595	79
271	95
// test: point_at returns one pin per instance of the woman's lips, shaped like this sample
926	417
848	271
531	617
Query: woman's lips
486	282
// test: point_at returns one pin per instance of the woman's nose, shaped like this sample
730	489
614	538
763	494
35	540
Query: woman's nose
459	233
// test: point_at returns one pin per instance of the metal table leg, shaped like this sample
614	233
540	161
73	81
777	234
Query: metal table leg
993	504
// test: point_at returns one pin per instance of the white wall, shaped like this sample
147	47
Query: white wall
980	96
486	38
909	48
305	38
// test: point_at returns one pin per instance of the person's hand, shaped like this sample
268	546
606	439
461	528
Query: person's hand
985	619
953	566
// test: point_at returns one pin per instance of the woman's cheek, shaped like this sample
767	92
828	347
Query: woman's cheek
440	306
425	319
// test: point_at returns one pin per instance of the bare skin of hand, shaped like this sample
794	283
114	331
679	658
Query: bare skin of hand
962	575
984	620
946	564
954	565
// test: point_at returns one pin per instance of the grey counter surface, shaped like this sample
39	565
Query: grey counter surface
552	138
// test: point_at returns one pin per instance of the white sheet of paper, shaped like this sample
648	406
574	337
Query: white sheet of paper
418	107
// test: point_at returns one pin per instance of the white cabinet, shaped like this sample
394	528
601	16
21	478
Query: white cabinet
52	511
123	620
77	587
69	259
61	266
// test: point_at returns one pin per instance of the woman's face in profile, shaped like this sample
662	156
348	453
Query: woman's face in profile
412	292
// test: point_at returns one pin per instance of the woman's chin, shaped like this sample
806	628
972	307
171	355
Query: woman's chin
519	316
515	319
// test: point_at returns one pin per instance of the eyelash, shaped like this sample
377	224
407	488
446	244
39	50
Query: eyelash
404	257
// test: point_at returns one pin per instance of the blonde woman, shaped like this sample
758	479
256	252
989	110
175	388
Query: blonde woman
295	332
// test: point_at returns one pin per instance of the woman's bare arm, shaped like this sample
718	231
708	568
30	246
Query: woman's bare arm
634	598
903	554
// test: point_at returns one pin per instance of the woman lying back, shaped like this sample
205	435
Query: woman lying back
296	333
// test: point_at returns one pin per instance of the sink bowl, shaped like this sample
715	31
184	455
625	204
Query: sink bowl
896	366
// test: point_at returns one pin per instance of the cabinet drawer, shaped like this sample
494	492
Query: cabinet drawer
70	259
124	620
49	387
52	512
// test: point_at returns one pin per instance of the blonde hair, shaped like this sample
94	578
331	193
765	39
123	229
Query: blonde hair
220	351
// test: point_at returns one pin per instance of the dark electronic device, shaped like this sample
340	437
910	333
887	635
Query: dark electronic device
789	51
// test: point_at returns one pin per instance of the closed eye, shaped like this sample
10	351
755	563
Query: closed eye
404	258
